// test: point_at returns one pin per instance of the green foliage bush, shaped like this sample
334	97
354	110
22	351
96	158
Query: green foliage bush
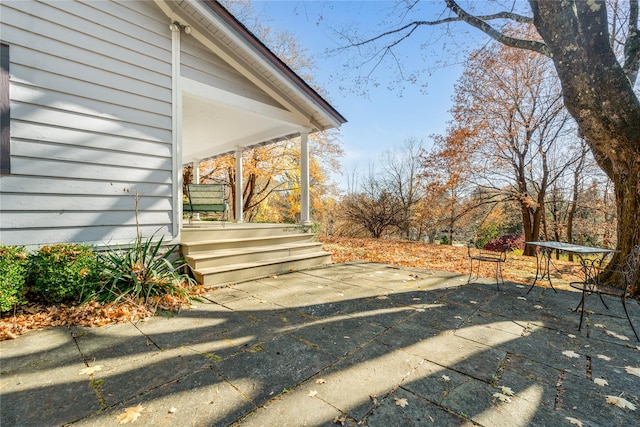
141	271
63	272
13	276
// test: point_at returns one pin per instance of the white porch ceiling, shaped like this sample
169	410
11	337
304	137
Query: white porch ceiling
215	122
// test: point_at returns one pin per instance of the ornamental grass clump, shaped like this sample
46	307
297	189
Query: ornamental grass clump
65	272
13	277
142	271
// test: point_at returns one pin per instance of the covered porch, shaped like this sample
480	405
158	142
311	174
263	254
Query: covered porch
231	93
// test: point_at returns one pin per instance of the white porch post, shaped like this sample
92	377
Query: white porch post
304	179
176	130
196	180
196	171
239	214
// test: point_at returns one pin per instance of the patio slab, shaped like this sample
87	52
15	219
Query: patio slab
350	344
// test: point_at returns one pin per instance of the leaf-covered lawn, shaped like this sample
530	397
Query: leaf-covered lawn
453	259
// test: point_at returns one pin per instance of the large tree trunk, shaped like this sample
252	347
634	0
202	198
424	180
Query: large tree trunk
600	96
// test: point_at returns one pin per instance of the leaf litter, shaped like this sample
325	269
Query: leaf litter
130	414
620	402
401	402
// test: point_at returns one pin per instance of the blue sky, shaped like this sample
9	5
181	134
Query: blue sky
384	118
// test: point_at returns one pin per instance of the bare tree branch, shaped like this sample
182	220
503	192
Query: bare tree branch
412	26
481	24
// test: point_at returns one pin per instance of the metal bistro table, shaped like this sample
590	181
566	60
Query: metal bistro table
543	258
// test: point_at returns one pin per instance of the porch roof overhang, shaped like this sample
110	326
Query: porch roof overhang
215	122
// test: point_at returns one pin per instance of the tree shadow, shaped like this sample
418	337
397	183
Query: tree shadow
351	343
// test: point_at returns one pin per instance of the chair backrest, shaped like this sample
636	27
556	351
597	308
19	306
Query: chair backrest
207	194
631	269
499	254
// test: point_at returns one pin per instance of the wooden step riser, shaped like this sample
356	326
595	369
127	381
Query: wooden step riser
191	248
263	255
198	234
235	276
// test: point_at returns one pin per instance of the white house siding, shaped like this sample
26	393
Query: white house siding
202	65
90	122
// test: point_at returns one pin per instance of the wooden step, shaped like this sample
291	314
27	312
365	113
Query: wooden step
222	275
189	248
206	230
199	260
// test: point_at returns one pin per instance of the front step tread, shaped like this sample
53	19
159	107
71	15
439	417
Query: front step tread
221	253
246	239
247	265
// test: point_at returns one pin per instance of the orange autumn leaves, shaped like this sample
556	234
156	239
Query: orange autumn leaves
453	259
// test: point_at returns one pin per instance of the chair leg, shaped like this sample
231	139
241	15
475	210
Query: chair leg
583	309
470	272
603	303
624	305
499	274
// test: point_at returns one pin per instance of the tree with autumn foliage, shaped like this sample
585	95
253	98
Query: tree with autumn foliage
520	129
446	172
595	48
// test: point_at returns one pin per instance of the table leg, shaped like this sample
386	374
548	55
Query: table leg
543	261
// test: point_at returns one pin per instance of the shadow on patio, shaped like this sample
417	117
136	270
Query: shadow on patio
366	344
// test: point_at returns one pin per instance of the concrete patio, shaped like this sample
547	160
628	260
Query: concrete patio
346	344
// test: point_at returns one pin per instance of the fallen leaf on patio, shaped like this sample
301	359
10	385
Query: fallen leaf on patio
522	298
415	299
321	381
420	310
312	393
458	317
339	420
632	370
173	410
130	414
374	399
574	421
538	307
600	381
598	325
502	397
446	378
383	297
603	357
620	402
620	337
473	302
507	391
90	370
571	335
401	402
571	353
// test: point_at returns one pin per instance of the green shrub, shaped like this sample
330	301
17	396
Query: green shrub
13	276
63	272
141	271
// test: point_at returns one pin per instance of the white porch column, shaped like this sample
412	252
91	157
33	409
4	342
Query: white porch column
196	171
195	165
304	179
239	214
176	130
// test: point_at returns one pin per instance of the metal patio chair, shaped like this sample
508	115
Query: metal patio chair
498	257
628	274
